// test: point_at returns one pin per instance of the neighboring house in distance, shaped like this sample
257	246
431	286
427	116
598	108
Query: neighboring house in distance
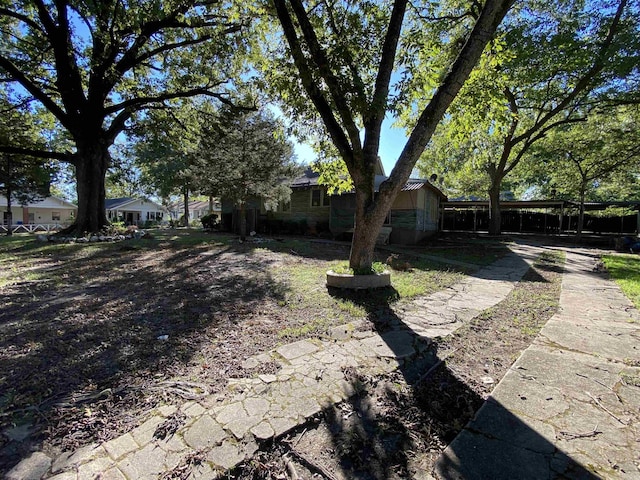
49	213
414	215
133	211
197	209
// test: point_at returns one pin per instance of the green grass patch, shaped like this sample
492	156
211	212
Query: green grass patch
344	269
306	288
423	278
625	270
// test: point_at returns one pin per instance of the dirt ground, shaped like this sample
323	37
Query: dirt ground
396	426
94	337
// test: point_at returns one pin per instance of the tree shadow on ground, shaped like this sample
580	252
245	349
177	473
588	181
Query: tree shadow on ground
389	428
84	342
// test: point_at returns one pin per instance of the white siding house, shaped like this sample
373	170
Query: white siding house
134	211
51	213
197	209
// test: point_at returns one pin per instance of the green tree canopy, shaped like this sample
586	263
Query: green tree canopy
165	150
243	155
332	64
95	65
23	178
587	160
551	64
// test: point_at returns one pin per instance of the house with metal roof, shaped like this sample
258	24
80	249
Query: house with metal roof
414	214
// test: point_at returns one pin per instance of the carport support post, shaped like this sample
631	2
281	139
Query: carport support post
560	220
520	211
475	224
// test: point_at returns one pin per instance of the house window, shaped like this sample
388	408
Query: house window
316	197
55	216
319	198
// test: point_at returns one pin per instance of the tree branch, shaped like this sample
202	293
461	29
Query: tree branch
316	95
378	107
139	103
323	64
166	47
34	90
483	31
23	18
129	107
360	92
584	82
63	156
540	135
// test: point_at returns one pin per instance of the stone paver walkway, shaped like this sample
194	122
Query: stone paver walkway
569	408
311	378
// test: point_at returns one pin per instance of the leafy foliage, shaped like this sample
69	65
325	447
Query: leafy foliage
22	178
333	67
589	159
551	64
95	65
243	154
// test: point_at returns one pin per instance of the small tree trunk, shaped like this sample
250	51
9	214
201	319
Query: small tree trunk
185	198
9	193
243	221
494	210
9	212
210	204
92	161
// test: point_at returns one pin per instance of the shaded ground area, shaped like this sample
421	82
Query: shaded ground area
94	336
397	424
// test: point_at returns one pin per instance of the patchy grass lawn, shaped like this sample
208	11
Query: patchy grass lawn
625	270
82	326
393	428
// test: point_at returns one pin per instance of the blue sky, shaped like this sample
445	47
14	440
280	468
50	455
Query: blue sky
391	144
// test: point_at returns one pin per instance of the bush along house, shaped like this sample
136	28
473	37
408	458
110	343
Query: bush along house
311	211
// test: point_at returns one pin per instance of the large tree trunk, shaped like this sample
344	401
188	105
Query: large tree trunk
495	219
369	219
91	162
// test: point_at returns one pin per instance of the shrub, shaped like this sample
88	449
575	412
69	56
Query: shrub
209	221
322	227
303	226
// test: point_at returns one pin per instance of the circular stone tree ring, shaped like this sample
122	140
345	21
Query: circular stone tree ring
358	282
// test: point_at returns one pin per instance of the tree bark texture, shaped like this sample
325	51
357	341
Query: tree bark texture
91	162
9	193
9	212
581	213
369	218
